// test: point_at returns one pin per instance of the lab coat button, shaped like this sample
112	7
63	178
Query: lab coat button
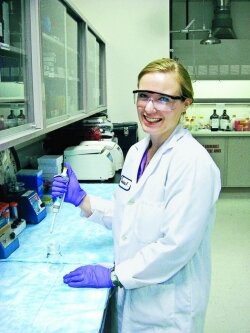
131	202
124	237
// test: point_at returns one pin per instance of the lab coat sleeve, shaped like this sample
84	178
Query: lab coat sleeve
102	211
192	190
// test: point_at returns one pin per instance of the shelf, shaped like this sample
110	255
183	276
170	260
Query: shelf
71	50
10	100
54	76
52	39
222	101
209	133
7	49
73	79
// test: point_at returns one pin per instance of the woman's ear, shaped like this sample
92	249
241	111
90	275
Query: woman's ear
187	102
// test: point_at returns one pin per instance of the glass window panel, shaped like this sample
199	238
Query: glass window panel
15	89
96	72
53	18
73	79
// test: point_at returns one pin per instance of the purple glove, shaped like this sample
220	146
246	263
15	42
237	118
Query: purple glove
70	187
90	276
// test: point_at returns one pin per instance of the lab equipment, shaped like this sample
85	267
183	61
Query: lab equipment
54	253
126	134
8	241
53	248
50	165
58	202
74	194
31	208
13	210
18	225
32	179
113	147
101	123
56	208
4	207
90	162
6	216
89	276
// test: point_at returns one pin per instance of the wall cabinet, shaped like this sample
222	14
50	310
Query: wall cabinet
16	113
60	60
52	67
95	71
231	154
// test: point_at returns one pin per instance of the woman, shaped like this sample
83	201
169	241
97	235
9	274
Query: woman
161	215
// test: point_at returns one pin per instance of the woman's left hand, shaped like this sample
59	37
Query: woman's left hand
89	276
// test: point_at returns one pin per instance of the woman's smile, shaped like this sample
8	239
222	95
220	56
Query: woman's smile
151	120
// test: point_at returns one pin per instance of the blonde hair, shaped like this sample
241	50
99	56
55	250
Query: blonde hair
166	65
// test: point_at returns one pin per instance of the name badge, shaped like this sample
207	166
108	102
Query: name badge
125	183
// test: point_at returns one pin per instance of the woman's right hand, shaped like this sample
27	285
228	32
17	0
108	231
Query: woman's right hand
74	194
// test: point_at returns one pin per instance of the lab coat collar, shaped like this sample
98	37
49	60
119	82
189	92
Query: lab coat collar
169	143
178	133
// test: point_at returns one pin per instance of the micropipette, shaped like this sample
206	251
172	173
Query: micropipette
58	202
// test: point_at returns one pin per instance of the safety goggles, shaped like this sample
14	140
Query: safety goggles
161	102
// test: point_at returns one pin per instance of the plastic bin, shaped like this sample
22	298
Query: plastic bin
126	134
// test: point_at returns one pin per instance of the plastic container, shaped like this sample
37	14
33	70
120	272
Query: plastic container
32	179
242	125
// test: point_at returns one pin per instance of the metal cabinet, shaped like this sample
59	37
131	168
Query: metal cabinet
217	149
52	67
238	160
231	154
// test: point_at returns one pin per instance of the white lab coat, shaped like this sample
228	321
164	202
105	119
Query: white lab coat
162	229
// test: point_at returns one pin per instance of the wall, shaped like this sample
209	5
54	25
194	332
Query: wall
135	33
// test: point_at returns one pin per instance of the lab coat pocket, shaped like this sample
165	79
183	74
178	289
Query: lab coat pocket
160	297
148	220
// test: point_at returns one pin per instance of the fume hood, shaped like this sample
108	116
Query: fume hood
226	20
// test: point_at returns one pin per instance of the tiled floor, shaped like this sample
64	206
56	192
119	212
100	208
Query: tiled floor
229	306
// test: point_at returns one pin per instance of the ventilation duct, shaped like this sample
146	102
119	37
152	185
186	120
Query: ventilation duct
222	25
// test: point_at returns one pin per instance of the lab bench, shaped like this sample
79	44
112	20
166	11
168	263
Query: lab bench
33	297
208	132
230	151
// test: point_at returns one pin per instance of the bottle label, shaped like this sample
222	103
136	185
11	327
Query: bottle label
214	123
223	124
20	121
